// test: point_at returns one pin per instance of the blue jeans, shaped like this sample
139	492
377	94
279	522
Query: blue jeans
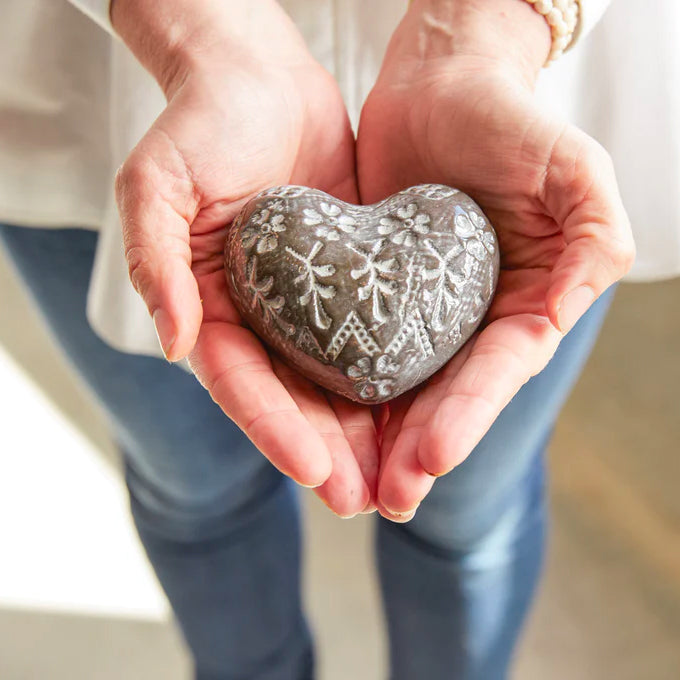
221	525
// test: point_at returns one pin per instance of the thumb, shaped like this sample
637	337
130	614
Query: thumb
157	203
581	193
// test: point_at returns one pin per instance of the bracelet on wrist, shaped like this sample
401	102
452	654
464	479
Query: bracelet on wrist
562	17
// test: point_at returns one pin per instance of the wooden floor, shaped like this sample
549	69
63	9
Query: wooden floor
609	607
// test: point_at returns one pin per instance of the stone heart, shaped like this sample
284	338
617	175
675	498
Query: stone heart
367	301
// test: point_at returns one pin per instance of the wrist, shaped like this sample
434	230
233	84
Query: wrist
176	38
508	32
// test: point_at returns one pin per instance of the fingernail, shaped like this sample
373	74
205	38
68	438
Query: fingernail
165	330
310	486
404	515
573	306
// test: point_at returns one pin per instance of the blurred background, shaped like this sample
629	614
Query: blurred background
78	601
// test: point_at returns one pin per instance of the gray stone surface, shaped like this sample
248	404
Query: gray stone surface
367	301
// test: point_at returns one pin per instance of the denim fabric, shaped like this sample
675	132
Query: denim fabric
221	526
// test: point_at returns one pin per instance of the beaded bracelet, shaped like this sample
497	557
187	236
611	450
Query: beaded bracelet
562	17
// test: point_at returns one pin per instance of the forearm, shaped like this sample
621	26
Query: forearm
174	37
509	31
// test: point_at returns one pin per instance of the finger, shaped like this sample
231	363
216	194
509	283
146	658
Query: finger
157	203
404	482
397	518
581	193
232	364
381	416
345	492
360	432
398	409
505	355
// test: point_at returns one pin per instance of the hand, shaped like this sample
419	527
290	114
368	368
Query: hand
246	110
454	105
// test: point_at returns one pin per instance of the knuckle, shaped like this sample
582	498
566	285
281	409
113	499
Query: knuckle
139	269
583	160
133	176
622	254
595	155
590	154
121	180
126	177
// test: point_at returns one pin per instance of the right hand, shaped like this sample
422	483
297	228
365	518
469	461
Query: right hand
246	111
454	105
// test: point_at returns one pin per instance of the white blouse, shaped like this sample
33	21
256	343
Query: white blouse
73	102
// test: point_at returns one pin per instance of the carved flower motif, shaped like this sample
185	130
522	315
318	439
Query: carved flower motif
404	228
476	247
472	226
434	191
370	386
266	225
330	223
467	224
360	369
288	191
386	364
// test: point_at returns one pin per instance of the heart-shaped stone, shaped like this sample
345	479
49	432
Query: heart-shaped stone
367	301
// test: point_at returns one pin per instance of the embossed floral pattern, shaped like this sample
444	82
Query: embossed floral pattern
472	226
434	191
289	191
467	224
448	280
330	222
271	306
375	275
404	228
476	247
264	229
386	364
366	384
369	299
360	369
315	291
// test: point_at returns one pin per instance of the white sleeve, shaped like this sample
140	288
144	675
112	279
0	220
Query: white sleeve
97	10
590	13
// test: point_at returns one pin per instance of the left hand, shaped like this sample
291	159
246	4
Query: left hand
454	105
247	108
